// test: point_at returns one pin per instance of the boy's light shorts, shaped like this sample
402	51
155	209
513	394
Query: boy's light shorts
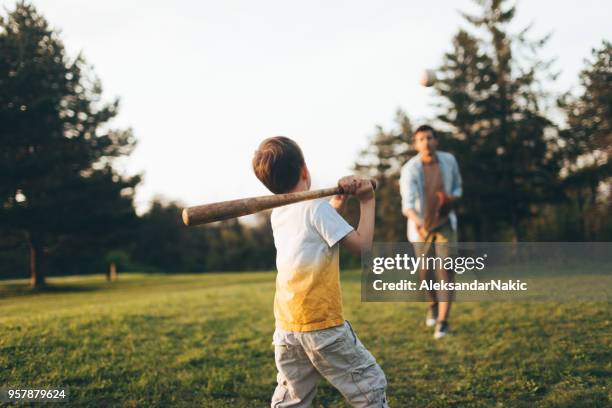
335	354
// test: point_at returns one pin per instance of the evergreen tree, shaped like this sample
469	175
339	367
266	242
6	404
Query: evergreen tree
492	102
163	243
382	160
587	140
56	175
589	116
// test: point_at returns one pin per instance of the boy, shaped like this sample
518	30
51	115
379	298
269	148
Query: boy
312	340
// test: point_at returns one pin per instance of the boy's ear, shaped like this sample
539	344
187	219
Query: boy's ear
304	173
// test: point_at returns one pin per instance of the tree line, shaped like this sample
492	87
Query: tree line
526	175
536	166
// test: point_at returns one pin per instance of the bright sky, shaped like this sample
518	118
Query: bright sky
202	82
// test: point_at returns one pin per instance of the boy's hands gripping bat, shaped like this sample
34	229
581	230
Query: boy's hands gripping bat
224	210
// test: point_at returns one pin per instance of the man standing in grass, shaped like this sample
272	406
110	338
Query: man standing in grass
312	340
430	185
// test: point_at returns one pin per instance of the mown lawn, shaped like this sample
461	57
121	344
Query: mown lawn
205	340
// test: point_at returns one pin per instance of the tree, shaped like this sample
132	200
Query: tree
382	160
589	116
491	101
56	174
587	138
163	243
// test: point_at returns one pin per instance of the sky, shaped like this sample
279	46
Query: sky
201	83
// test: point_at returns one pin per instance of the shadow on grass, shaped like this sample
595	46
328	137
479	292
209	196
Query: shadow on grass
169	281
20	289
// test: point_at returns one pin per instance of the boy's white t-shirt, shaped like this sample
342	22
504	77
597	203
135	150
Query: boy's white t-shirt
306	237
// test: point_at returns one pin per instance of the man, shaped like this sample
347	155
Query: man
430	185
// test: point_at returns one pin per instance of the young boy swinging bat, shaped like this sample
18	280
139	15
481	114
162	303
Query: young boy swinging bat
312	340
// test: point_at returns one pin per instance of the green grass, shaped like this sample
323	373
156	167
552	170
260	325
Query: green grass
205	340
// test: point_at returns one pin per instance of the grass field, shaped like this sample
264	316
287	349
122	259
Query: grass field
205	340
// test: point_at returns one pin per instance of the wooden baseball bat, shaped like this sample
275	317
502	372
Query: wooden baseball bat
224	210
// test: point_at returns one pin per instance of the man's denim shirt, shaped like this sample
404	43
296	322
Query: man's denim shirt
412	189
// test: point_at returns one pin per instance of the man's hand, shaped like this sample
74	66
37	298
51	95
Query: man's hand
444	203
411	214
420	227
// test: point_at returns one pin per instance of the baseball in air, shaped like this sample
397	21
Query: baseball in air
428	77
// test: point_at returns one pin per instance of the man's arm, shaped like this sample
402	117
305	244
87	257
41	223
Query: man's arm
408	193
446	203
411	214
407	186
457	190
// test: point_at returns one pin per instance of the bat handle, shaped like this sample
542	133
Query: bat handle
374	185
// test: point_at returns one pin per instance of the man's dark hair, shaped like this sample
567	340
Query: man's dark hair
426	128
277	163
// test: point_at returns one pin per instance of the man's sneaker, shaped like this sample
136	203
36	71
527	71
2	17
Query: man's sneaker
441	330
432	315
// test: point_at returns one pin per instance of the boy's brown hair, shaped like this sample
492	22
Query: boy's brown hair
277	163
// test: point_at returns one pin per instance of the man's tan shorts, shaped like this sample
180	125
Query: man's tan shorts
335	354
442	244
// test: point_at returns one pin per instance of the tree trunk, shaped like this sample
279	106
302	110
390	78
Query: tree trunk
37	277
581	216
516	232
112	272
478	229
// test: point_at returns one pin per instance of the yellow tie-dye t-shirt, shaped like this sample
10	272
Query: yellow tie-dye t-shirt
306	237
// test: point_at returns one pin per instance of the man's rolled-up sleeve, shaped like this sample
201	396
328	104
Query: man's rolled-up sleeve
457	189
407	189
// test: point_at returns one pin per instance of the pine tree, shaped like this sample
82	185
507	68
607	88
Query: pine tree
56	175
587	139
491	101
382	160
589	116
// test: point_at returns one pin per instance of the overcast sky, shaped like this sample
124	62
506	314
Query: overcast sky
202	82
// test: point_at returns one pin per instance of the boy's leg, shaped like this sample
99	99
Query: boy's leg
342	360
297	378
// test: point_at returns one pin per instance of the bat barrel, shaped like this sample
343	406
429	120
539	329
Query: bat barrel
204	214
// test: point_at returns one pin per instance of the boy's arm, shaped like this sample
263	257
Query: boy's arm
339	202
361	238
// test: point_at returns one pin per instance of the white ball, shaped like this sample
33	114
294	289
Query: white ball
428	77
